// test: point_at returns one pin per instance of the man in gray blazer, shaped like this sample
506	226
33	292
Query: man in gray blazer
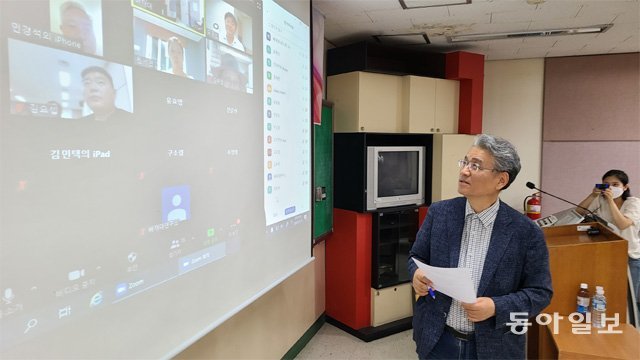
505	251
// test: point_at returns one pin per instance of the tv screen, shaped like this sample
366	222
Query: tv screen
395	176
154	169
398	173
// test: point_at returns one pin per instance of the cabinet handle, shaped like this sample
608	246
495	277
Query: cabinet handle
361	128
432	129
438	130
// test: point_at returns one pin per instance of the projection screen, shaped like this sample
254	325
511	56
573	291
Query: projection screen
155	169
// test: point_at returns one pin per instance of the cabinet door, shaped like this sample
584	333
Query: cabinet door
390	304
342	90
365	102
393	235
418	104
446	106
380	102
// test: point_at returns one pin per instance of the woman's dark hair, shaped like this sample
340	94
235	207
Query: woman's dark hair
624	179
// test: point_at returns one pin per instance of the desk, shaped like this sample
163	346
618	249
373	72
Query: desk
566	345
571	261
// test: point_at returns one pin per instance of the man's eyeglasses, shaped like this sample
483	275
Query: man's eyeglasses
472	166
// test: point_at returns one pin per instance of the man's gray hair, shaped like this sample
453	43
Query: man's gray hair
505	156
68	5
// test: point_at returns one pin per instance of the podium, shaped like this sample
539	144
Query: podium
562	343
576	256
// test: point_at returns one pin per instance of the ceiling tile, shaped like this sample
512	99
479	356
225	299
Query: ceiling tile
504	44
499	27
540	42
610	7
631	16
552	10
526	53
387	15
576	42
428	14
349	21
501	54
512	16
360	18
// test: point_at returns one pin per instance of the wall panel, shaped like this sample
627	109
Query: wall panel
591	124
592	98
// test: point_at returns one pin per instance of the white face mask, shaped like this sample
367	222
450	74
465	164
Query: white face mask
616	191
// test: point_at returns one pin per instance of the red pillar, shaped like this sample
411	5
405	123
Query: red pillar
422	214
468	68
348	269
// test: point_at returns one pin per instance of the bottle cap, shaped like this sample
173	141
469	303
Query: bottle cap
599	290
583	286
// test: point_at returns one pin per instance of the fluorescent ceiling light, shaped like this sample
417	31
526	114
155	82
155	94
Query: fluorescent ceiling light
417	4
403	39
533	33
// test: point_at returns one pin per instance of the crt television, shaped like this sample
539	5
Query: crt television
395	176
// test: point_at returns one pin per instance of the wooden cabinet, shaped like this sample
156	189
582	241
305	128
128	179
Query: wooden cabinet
371	102
447	99
429	105
351	303
561	343
394	232
365	102
576	257
391	304
418	104
447	150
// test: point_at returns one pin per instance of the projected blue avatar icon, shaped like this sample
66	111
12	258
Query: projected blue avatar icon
176	203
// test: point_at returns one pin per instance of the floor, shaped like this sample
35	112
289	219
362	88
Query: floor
332	343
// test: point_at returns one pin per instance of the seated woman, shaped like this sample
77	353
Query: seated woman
616	205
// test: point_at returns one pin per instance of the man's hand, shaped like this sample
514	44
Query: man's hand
420	283
482	309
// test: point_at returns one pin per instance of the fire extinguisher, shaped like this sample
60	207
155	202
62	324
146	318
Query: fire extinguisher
533	206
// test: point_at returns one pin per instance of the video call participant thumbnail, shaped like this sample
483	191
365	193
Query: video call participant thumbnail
76	24
100	95
175	50
231	27
228	74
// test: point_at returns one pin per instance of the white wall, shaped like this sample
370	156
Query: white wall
512	109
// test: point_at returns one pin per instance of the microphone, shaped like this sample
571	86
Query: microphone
591	216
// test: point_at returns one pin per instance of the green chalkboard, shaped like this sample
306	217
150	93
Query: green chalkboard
323	174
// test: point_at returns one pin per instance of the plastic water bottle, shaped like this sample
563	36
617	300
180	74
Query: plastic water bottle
598	308
583	299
